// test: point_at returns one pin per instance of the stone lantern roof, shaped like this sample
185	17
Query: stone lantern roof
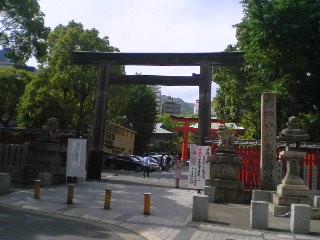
293	133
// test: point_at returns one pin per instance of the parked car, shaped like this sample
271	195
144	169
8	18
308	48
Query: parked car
154	165
124	162
156	156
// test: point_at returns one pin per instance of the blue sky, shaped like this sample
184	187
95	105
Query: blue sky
154	26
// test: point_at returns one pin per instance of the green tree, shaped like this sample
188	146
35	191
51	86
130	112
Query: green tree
236	100
22	29
39	103
12	86
71	89
281	42
118	100
141	115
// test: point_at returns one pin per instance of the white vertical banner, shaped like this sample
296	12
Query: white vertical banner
76	157
198	166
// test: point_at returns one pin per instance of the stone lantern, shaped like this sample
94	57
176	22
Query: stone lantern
292	189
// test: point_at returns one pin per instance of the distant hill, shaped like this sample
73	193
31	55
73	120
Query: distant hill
185	108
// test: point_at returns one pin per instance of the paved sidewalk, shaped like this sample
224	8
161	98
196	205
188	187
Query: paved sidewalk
171	208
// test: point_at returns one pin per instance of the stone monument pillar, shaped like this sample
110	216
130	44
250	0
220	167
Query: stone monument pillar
292	189
268	141
224	166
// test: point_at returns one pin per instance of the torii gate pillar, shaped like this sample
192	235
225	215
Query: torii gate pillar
95	158
204	103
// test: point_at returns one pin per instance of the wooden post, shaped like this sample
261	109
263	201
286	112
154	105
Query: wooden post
107	199
70	194
204	103
95	160
147	203
37	185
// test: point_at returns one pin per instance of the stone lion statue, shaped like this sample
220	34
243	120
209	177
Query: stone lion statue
226	138
50	130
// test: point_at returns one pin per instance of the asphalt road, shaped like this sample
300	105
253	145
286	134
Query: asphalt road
27	225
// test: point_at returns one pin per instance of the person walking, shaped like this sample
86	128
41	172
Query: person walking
177	171
146	166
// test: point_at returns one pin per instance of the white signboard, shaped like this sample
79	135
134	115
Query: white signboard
198	166
76	158
193	154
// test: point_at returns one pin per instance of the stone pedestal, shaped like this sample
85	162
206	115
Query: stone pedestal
259	215
223	177
5	183
45	179
210	192
300	219
200	208
47	158
292	189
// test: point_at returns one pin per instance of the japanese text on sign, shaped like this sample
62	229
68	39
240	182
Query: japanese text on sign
198	166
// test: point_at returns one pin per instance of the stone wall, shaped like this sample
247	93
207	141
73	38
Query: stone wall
25	162
13	158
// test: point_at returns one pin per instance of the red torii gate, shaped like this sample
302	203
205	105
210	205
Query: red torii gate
186	129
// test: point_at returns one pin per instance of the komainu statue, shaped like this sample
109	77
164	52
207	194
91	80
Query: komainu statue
49	131
226	140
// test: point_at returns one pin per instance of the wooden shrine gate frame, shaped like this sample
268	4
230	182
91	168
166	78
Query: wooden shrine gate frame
107	59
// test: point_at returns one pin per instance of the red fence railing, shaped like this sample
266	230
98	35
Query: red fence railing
249	171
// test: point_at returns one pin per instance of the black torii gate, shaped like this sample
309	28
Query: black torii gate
107	59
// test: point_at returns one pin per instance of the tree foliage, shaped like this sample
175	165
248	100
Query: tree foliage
22	29
69	89
39	103
12	86
281	41
235	100
118	100
141	115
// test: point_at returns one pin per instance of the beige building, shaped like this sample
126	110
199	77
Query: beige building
118	139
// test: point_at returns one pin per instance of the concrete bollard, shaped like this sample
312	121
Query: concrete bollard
5	183
259	215
200	208
316	202
107	199
300	218
147	203
37	185
209	191
70	194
